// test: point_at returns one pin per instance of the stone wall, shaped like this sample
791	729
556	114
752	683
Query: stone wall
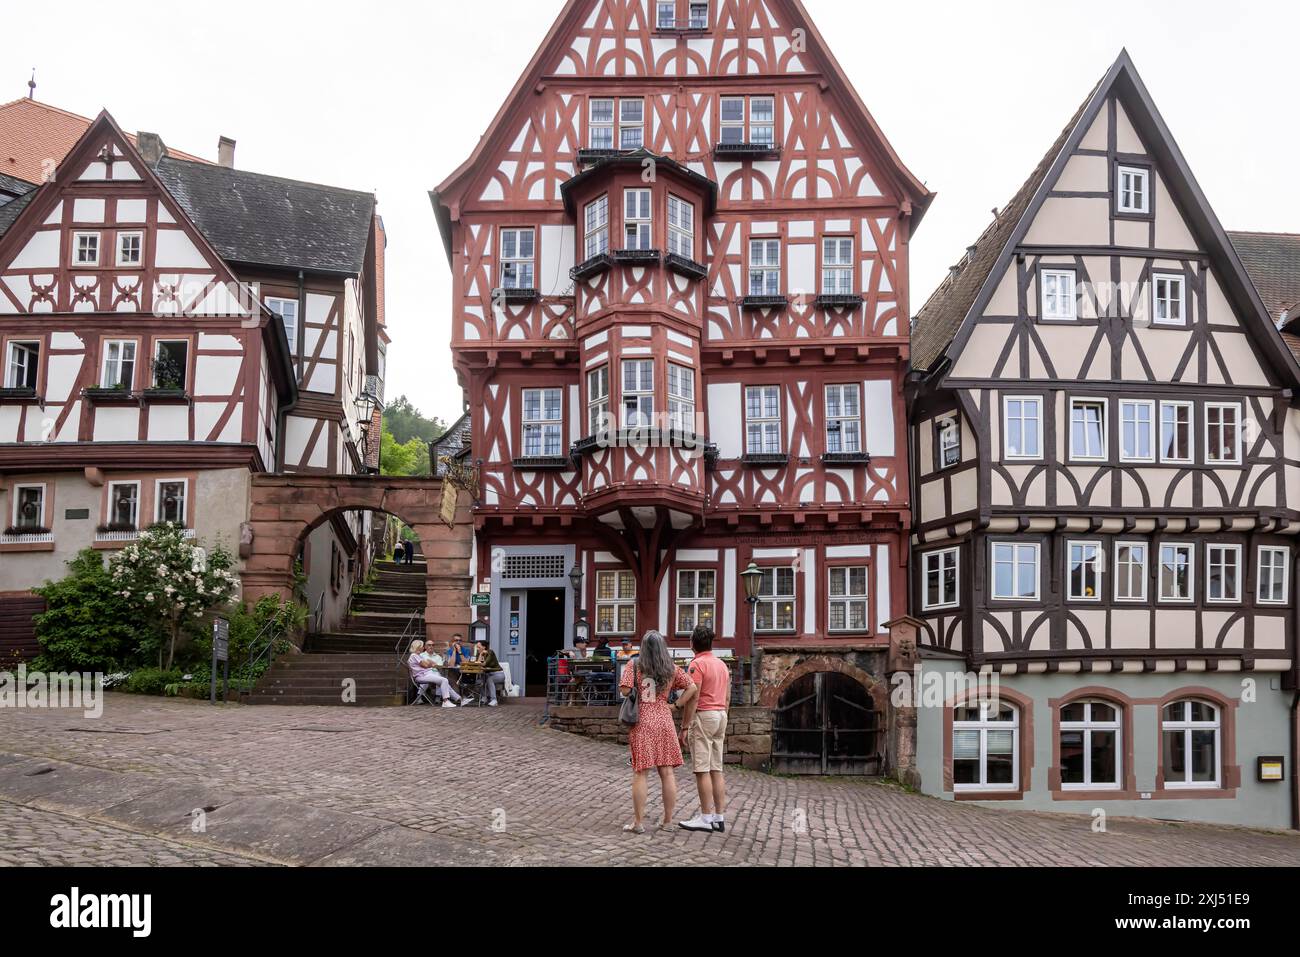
749	731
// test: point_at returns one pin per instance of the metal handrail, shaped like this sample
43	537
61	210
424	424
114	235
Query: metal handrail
318	615
272	631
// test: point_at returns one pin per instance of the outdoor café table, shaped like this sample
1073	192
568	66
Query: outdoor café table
592	678
475	673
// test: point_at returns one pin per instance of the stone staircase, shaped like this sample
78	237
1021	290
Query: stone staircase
364	649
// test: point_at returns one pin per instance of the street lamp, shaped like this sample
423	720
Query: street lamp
575	579
753	579
581	629
478	631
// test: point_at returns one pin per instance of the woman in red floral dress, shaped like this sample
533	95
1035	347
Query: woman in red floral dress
653	739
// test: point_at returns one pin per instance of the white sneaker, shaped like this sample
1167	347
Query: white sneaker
492	704
697	823
448	704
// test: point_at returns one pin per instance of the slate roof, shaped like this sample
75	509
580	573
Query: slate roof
1273	261
262	220
11	186
10	210
941	317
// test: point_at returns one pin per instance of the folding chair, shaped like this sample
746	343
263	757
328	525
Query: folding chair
423	693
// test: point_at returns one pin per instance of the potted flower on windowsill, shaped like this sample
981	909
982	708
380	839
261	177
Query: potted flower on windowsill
168	380
17	531
116	527
118	392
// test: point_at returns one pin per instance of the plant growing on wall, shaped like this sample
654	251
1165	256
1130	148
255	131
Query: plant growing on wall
173	582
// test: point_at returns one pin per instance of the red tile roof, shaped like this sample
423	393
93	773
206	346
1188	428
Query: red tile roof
34	138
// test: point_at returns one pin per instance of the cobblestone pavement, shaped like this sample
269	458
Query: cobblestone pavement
181	782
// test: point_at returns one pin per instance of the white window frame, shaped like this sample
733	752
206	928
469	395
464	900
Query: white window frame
1125	420
18	495
1178	547
30	366
837	268
78	249
641	393
185	500
1275	551
1190	409
1018	548
1124	564
598	396
1037	420
544	425
620	601
1171	281
849	598
774	598
1098	561
1211	453
1187	727
947	431
843	424
692	21
765	266
596	227
104	380
753	124
1103	453
660	7
520	263
626	125
277	305
638	225
611	125
1217	548
939	564
157	354
1088	725
693	599
768	425
681	398
681	227
984	726
1065	308
725	124
122	259
1123	191
112	503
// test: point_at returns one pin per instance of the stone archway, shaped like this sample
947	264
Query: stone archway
284	508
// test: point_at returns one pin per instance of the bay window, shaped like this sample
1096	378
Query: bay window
596	235
681	228
598	400
638	393
638	225
681	398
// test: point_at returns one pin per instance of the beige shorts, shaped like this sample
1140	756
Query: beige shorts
708	740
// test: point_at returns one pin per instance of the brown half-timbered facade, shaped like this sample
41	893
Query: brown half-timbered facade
1107	492
680	309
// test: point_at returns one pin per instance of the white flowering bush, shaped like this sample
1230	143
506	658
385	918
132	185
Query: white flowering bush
173	582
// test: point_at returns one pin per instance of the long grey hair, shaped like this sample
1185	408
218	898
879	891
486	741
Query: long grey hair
655	662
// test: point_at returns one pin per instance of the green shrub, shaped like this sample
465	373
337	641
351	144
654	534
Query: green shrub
152	681
250	629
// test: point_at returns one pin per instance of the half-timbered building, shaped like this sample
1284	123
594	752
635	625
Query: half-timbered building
169	327
680	259
1107	495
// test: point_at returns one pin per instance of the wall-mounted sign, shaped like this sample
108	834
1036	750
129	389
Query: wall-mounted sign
76	514
480	600
447	508
1272	769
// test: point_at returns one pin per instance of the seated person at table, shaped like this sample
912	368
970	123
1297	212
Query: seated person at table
579	649
625	651
603	650
458	652
423	672
492	673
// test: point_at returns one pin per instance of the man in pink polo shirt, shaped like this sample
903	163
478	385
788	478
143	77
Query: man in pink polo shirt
704	730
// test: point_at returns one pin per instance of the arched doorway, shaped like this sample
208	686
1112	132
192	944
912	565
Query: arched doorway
826	723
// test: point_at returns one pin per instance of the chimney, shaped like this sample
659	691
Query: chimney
152	148
226	152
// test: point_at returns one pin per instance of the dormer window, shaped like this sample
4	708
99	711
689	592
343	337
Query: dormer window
517	258
638	224
1134	190
86	249
597	232
681	227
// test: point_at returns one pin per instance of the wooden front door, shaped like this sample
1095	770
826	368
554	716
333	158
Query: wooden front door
826	724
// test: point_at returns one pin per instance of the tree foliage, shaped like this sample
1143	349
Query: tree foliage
406	422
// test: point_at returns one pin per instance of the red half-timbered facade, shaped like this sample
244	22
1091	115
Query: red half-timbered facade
680	317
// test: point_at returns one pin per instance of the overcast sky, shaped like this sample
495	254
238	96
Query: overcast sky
391	96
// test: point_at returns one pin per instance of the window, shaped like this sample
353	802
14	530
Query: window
763	420
597	234
1223	433
1015	571
1024	427
171	501
985	747
130	249
843	419
756	129
699	14
1137	431
287	310
119	364
1175	572
1090	745
1084	571
1087	429
517	257
638	393
681	398
762	120
171	364
732	113
22	365
1190	744
848	599
948	440
85	250
1223	573
598	400
1134	192
29	507
1274	563
1060	299
124	505
667	14
601	126
637	226
543	423
776	600
1170	300
615	603
1176	432
837	267
697	591
1130	571
631	124
765	267
940	571
681	228
630	128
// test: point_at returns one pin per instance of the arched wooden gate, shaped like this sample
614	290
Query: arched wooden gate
826	723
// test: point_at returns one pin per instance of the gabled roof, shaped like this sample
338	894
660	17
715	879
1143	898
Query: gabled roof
637	159
1273	261
942	325
11	186
268	221
570	20
35	136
